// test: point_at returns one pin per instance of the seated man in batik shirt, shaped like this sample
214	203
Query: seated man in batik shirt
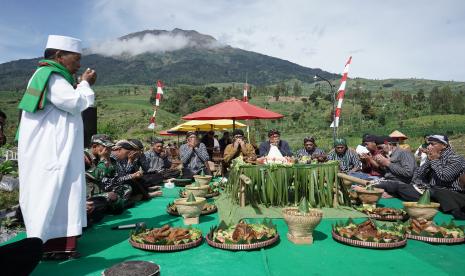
128	168
156	164
275	143
194	156
348	159
239	147
311	151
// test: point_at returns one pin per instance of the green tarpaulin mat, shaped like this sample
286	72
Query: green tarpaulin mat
102	247
230	212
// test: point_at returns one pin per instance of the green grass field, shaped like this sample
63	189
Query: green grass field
126	115
124	112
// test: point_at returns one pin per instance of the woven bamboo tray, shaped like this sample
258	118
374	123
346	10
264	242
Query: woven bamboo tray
133	268
388	217
166	248
242	247
436	240
206	212
375	245
182	193
384	218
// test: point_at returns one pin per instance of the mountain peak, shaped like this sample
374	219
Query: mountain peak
176	56
195	38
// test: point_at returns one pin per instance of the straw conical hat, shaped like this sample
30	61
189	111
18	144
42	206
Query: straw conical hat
398	134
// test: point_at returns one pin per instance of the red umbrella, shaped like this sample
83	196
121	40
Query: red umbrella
233	109
166	133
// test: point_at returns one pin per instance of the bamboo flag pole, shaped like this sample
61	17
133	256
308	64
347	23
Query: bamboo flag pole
152	120
245	98
340	94
158	98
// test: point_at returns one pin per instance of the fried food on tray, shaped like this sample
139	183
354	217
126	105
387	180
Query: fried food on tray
244	233
166	235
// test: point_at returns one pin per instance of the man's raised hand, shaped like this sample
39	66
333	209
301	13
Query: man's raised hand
89	75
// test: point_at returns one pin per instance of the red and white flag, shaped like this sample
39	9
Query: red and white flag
158	98
340	93
152	120
159	95
245	97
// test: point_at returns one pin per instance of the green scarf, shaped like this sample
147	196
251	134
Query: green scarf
35	95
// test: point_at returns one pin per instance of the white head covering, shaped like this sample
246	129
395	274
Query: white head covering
64	43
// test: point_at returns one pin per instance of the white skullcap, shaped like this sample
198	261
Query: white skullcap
64	43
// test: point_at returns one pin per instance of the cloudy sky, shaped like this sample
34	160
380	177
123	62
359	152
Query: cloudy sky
387	39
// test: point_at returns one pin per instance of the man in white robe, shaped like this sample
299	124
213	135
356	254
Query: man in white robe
50	146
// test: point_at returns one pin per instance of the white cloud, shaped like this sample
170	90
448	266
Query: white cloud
138	45
387	39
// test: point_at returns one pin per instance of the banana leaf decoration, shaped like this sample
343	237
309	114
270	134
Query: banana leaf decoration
191	198
281	185
370	187
303	206
425	198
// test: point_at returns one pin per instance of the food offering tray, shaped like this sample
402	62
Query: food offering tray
204	212
166	248
241	247
366	244
435	240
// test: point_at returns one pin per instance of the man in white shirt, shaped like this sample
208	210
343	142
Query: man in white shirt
50	146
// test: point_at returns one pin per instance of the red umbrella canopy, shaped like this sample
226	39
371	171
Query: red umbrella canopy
166	133
233	109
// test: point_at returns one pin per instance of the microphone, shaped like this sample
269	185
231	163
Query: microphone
129	226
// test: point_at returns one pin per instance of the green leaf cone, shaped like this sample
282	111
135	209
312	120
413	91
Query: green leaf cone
370	188
222	225
191	198
202	173
425	198
303	206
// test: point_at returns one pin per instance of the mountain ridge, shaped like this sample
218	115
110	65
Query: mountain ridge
201	59
196	59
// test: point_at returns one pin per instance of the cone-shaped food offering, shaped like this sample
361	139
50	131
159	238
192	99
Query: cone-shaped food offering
425	198
191	198
423	208
303	206
202	173
301	222
190	208
370	188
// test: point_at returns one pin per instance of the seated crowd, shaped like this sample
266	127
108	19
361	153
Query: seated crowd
385	161
121	173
